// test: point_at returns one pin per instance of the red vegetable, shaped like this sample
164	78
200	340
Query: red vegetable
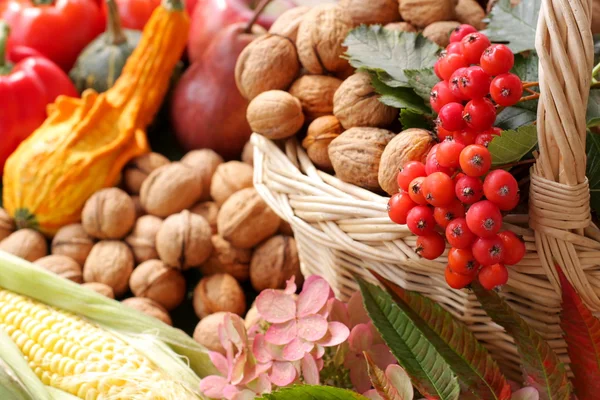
59	29
135	13
26	88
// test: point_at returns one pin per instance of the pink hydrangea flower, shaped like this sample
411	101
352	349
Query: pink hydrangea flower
300	323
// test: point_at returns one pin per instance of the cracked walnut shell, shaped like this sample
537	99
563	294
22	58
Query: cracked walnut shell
139	168
320	39
100	288
356	154
154	280
229	178
216	293
245	219
142	239
287	24
108	214
73	241
439	32
227	259
371	11
421	13
110	262
275	114
400	27
315	93
209	211
62	266
274	262
269	62
25	243
470	12
204	163
149	307
356	104
183	240
320	133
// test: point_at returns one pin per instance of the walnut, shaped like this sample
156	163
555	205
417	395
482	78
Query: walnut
209	211
110	262
470	12
285	228
356	104
183	240
269	62
595	16
108	214
400	27
25	243
100	288
207	332
170	189
275	114
230	178
216	293
421	13
372	11
409	145
139	168
204	162
356	154
154	280
245	219
73	241
287	24
248	153
320	133
142	239
139	210
62	266
148	307
315	92
7	225
227	259
439	32
274	262
320	37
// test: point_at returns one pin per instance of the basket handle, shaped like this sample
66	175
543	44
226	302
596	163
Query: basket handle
559	201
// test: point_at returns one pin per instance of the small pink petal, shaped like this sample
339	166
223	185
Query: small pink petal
283	333
400	380
356	310
338	312
213	386
220	362
312	327
260	349
238	367
354	360
235	330
360	379
381	355
275	306
372	395
320	364
230	392
528	393
244	395
360	338
290	286
318	351
310	371
282	373
337	333
313	297
296	349
377	339
261	385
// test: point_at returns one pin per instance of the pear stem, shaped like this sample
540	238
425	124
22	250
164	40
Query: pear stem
259	9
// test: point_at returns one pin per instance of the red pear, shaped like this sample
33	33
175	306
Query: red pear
207	110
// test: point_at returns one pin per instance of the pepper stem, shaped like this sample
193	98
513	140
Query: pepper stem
259	9
5	65
114	30
174	5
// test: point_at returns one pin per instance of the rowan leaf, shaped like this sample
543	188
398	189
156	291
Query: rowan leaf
399	97
307	392
514	24
593	168
393	384
513	145
582	334
479	375
422	81
540	365
514	118
415	119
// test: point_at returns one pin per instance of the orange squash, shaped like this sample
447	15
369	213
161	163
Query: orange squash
83	145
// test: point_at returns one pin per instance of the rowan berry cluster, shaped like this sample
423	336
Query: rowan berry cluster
454	191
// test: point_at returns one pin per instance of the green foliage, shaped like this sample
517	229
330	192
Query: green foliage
414	119
514	118
515	25
593	168
399	97
307	392
428	370
422	81
593	109
526	68
541	367
513	145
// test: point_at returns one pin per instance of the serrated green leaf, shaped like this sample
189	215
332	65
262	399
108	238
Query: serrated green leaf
593	109
422	81
307	392
593	168
428	370
526	68
389	53
398	97
514	117
479	375
514	24
415	119
540	365
513	145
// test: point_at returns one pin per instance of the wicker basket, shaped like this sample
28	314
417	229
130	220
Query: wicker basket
342	230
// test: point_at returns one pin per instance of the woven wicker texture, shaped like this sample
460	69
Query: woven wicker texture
342	230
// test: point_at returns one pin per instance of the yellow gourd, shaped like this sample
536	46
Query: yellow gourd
84	143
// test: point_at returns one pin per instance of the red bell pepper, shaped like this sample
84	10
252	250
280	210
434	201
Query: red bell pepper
28	83
59	29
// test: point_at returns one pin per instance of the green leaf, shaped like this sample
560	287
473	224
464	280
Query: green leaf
307	392
479	375
526	68
515	25
596	49
398	97
428	370
513	145
422	81
514	117
593	168
540	365
593	109
389	53
415	119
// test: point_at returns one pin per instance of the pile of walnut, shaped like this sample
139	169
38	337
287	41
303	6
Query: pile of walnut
170	217
298	82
